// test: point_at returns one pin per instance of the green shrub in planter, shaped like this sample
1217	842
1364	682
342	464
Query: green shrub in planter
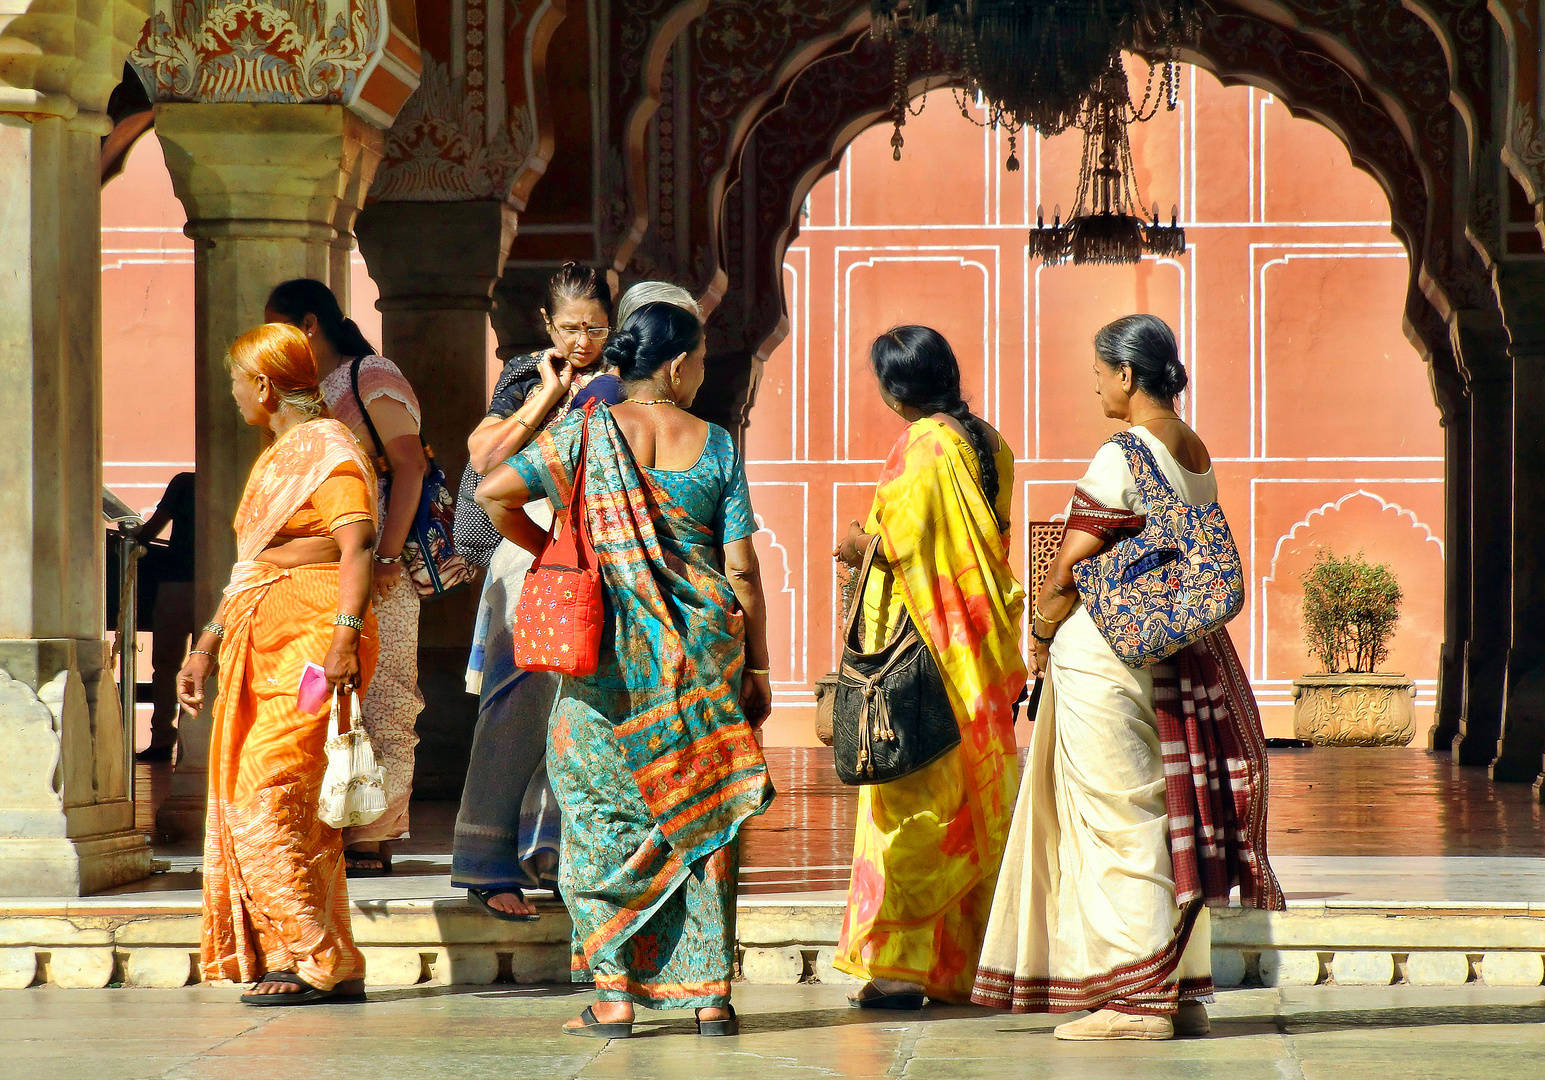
1351	607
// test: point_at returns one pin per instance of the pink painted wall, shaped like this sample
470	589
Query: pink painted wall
1288	306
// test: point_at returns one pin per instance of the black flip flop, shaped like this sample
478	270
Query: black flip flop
351	861
594	1029
480	897
350	991
905	1002
715	1028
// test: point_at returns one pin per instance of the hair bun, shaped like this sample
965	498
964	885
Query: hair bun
1175	376
621	350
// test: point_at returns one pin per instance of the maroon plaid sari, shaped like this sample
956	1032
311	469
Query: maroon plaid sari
1215	773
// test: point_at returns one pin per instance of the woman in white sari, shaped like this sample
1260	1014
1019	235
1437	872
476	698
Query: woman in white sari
1144	798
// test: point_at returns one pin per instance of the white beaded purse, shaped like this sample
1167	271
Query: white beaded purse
353	788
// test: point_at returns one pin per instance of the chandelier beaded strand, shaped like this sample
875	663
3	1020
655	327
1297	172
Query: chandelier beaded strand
1052	65
1107	224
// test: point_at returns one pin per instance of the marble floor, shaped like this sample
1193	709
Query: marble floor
510	1033
1348	825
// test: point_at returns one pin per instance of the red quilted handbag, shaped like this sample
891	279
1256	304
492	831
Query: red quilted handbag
558	619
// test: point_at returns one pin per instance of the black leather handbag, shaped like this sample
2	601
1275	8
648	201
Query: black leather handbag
891	714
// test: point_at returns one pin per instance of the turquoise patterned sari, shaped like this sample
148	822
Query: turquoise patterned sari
653	763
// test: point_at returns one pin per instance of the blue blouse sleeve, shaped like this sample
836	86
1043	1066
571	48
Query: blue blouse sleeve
734	519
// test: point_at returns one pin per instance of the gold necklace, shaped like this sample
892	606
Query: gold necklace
652	401
1151	419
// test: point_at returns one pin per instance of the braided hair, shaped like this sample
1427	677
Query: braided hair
917	367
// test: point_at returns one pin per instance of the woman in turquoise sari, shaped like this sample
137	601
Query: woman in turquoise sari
653	759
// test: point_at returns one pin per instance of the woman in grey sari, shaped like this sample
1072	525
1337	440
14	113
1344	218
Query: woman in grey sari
507	829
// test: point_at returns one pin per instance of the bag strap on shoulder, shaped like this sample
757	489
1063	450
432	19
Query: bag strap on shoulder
375	436
564	546
1155	489
383	463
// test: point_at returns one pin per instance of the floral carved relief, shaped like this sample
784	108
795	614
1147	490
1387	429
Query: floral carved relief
266	51
1354	710
441	148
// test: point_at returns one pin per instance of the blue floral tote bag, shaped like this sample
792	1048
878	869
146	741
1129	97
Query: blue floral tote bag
1172	584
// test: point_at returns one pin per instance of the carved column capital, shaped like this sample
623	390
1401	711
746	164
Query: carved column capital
362	55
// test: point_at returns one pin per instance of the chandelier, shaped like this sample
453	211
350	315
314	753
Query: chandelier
1107	224
1032	63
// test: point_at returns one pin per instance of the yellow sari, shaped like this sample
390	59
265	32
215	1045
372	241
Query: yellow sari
275	898
926	855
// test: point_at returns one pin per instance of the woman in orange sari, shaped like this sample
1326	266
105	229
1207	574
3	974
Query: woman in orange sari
276	907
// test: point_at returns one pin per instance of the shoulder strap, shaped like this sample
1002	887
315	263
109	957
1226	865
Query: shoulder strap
855	613
564	546
1145	470
375	436
579	520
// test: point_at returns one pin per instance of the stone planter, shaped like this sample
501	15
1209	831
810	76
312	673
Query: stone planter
1350	709
825	694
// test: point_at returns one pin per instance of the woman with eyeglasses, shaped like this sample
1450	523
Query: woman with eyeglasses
507	829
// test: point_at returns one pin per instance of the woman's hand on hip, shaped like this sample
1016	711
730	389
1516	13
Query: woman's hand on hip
342	663
194	673
755	698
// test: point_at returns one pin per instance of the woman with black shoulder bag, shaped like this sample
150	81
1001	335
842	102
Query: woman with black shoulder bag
924	708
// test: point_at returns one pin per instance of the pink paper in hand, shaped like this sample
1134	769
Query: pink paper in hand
313	693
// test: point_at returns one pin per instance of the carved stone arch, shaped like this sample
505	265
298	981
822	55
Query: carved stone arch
642	34
1398	57
1523	140
791	146
1463	31
1247	49
801	137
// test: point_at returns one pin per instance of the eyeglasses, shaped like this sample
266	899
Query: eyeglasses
594	333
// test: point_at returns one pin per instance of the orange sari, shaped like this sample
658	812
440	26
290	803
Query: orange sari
275	898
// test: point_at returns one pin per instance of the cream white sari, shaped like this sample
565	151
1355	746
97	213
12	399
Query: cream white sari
1085	913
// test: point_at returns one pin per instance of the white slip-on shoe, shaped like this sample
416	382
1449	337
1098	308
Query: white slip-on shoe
1110	1024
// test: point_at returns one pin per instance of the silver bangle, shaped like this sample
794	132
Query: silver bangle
216	629
353	622
384	561
202	652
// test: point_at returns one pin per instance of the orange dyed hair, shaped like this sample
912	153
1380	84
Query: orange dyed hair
282	354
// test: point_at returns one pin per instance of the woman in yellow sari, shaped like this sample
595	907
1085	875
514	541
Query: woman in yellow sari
276	907
928	846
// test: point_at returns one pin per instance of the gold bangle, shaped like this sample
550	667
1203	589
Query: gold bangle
1041	615
517	418
759	671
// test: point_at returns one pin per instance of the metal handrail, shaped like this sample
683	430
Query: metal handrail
116	512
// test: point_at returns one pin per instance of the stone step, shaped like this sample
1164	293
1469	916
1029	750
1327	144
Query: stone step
152	941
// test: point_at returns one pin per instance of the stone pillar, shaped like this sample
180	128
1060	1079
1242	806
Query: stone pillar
1481	345
1457	572
66	804
519	298
267	189
436	265
1521	287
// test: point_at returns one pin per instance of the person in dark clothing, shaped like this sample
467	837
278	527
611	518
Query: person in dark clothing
169	572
